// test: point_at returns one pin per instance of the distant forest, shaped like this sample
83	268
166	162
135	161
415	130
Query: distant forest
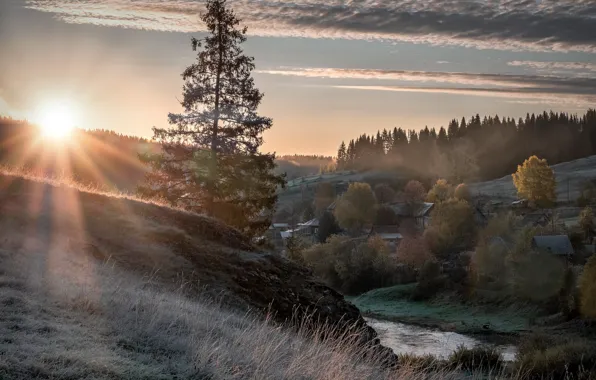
481	148
114	156
298	165
100	158
478	148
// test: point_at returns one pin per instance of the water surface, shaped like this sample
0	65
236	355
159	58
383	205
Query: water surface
403	338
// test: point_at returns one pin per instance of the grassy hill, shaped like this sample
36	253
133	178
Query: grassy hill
96	286
571	177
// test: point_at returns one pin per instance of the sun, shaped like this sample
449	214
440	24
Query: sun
56	120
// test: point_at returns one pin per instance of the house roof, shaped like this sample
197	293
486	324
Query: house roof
386	232
557	244
411	210
390	236
280	225
311	223
536	219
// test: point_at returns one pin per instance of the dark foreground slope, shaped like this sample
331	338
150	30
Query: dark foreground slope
49	225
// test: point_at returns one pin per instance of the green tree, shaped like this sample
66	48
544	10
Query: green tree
342	156
356	208
327	227
535	181
210	160
324	196
440	192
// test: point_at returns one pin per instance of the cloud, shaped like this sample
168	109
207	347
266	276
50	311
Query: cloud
549	66
559	90
560	25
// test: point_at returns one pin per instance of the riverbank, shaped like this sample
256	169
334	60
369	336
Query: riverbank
446	313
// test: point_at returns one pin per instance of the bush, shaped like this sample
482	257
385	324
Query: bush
429	281
543	357
352	266
587	287
477	358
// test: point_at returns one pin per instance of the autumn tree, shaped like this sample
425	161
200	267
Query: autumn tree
414	252
210	160
535	181
384	193
356	208
440	192
452	226
462	192
414	192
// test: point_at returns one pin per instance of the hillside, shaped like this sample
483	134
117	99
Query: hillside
56	240
571	177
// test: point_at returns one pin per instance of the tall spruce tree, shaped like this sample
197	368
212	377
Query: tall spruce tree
210	160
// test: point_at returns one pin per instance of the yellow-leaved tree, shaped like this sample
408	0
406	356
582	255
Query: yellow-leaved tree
535	181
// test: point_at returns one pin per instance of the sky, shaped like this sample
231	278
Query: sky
330	69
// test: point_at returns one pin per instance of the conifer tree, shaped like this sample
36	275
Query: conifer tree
210	160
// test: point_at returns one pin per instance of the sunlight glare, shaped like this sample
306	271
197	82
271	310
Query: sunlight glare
56	120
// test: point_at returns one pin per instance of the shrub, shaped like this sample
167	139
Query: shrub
477	358
536	276
429	281
542	357
587	286
352	266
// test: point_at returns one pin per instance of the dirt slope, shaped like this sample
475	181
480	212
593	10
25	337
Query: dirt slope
49	224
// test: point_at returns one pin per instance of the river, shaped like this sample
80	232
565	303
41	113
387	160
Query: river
402	338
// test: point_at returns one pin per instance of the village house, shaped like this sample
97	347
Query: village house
389	234
418	213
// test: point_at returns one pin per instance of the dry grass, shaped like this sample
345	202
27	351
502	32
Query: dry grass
122	327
